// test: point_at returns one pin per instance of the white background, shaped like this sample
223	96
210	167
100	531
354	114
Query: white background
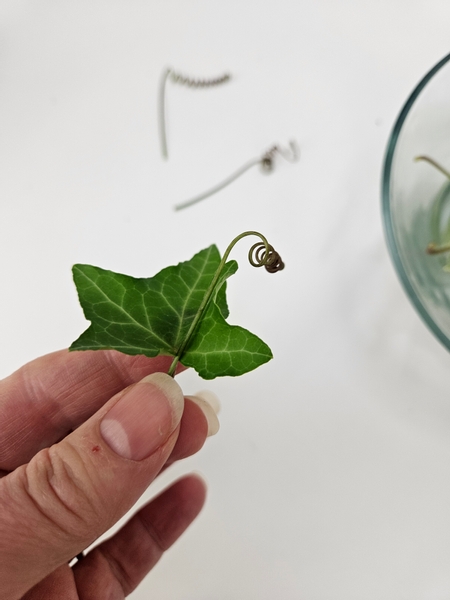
330	477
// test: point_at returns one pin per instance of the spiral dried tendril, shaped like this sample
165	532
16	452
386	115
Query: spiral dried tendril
291	155
180	79
266	162
197	83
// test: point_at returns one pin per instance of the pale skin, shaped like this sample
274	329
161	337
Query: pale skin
69	471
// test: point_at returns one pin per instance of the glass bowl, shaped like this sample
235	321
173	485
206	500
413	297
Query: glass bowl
416	198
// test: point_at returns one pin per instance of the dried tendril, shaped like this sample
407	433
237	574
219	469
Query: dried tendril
178	78
266	162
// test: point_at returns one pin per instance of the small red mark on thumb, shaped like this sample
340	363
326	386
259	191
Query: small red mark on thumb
95	448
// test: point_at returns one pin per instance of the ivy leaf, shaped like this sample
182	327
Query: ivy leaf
153	316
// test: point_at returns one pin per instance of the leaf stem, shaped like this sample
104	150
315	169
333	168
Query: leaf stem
210	291
433	248
435	164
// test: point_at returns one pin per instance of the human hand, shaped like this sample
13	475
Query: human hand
82	436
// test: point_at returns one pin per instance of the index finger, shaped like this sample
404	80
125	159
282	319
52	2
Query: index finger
49	397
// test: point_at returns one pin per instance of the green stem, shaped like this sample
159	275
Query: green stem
208	295
432	248
435	164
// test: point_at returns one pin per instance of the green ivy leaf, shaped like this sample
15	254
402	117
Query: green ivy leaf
153	316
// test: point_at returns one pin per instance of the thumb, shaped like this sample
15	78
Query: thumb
56	505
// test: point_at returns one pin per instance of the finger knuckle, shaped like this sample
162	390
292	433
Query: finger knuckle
60	487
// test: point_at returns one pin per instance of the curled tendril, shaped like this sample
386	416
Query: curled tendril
291	154
197	83
261	254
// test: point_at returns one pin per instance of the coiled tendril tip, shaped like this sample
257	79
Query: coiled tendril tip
267	257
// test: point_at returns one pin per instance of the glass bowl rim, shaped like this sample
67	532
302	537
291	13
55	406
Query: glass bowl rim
385	193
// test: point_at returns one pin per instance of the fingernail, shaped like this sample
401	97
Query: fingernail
208	411
144	417
210	398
